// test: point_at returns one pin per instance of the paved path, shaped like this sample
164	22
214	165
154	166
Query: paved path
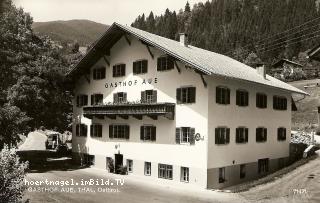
34	141
300	185
133	190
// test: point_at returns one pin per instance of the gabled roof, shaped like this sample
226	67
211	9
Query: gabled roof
282	61
204	61
314	53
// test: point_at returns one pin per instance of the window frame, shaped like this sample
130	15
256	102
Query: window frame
129	165
219	140
145	129
261	100
242	135
95	100
184	174
96	130
119	70
223	95
186	95
263	137
81	130
81	100
138	70
222	175
169	63
280	103
263	166
167	171
281	134
99	73
242	98
190	135
146	169
125	131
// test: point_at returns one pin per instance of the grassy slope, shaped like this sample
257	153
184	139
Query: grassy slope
83	31
306	116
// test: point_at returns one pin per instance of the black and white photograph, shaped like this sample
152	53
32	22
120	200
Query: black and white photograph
149	101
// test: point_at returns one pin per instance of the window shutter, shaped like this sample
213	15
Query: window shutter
85	100
92	99
127	130
178	96
228	96
125	97
91	130
110	131
218	95
216	135
237	97
192	94
103	72
159	64
178	135
145	66
85	129
141	132
247	99
246	134
227	135
154	96
192	132
77	130
115	98
170	62
135	71
114	71
123	69
143	96
265	133
153	133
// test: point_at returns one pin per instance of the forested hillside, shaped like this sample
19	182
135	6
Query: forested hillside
239	27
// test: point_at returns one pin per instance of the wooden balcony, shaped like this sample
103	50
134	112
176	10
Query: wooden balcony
136	110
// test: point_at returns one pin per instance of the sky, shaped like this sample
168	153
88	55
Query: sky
102	11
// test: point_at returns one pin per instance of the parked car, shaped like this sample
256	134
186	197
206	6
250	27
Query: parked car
53	141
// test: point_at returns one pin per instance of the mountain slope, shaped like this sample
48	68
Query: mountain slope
82	31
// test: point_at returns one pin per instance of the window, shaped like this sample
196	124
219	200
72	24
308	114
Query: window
261	134
186	95
99	73
242	171
281	163
129	165
242	135
82	100
263	165
184	173
282	134
222	95
81	130
222	175
96	99
96	130
140	67
261	100
185	135
119	70
242	98
165	63
119	131
149	96
222	135
147	168
279	103
165	171
88	159
120	97
148	133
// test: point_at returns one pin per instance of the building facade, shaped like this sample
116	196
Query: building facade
162	109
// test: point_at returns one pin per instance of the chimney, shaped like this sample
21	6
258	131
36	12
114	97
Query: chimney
261	69
183	39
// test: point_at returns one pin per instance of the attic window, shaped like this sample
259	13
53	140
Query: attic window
165	63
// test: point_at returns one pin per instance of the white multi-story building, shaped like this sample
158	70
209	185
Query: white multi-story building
169	110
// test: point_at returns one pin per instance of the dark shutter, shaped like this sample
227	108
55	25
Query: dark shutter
237	135
77	130
218	95
115	98
114	71
144	66
238	97
192	94
227	135
265	133
143	96
92	99
192	132
159	64
246	134
170	63
103	72
124	97
110	131
178	135
127	131
216	135
78	101
85	100
123	69
154	96
91	130
135	69
141	132
85	129
178	96
153	133
228	96
247	99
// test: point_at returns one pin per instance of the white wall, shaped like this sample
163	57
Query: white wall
252	117
189	115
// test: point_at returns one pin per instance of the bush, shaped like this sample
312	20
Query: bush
12	174
123	170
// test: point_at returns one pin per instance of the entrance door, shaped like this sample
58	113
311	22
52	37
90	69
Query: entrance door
118	162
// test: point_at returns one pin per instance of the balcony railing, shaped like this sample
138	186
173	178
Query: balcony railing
137	110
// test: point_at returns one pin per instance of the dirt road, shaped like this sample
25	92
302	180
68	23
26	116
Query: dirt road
300	185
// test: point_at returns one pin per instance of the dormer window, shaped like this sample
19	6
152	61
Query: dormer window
119	70
99	73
